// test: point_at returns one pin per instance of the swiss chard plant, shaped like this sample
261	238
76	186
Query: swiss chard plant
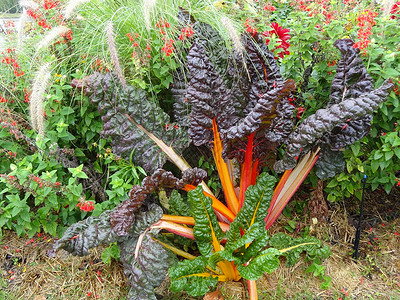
238	106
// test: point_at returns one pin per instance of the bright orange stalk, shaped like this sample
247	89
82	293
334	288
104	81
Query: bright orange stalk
247	169
227	185
252	287
189	221
216	204
289	185
175	228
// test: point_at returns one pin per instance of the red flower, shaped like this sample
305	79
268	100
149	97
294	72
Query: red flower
85	205
300	112
395	10
332	63
49	4
249	28
269	7
168	47
283	36
186	32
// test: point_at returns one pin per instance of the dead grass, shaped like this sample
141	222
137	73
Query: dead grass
30	272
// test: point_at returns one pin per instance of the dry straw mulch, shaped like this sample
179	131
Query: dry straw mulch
28	272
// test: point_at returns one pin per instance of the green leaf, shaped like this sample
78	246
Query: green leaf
177	206
191	276
397	152
313	251
378	154
255	207
77	172
66	111
355	148
374	165
267	261
388	155
24	215
206	230
332	183
110	252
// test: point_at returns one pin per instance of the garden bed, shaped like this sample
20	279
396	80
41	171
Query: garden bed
27	271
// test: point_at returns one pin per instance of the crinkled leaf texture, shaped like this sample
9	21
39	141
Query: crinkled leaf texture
191	276
145	272
128	116
314	252
124	214
124	224
266	261
254	210
255	103
216	49
206	229
347	117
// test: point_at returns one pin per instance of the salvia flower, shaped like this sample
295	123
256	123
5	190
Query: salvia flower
186	32
283	35
168	48
269	7
85	205
395	11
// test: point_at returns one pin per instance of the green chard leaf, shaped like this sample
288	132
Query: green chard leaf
266	261
314	251
177	206
191	276
206	230
254	210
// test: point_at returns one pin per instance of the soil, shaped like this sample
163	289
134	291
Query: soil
28	272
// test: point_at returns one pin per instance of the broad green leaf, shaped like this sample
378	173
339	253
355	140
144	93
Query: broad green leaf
177	206
255	207
313	251
266	261
191	276
207	231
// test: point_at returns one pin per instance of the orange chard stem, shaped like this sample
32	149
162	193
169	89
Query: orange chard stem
175	228
189	221
290	185
279	188
255	172
227	185
247	169
252	288
216	204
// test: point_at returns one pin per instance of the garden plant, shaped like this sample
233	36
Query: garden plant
143	97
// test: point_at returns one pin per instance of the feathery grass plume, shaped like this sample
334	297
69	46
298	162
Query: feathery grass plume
21	27
233	35
36	110
52	35
148	6
71	6
114	54
28	4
